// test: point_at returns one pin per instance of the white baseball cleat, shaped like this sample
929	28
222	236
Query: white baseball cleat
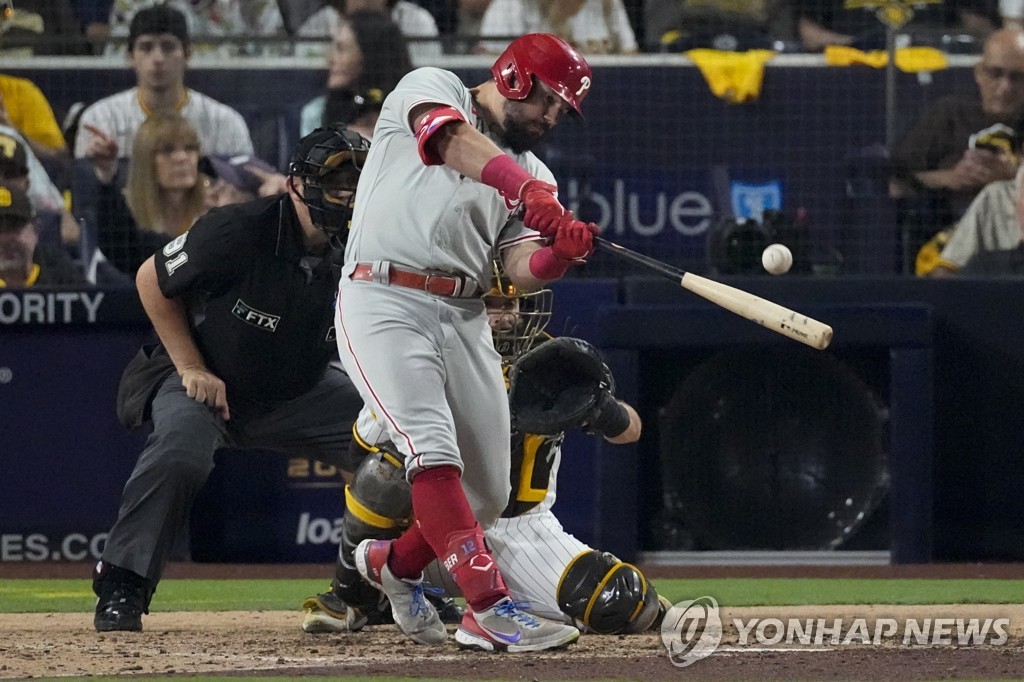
507	627
413	614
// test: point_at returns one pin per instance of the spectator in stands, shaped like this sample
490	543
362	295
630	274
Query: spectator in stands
158	50
163	196
368	57
591	26
942	163
742	25
20	167
415	23
993	222
24	108
829	22
233	179
41	27
211	22
24	262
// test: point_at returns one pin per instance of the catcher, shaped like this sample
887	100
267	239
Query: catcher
555	385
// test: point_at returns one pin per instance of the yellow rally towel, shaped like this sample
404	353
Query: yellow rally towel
736	77
930	257
909	59
913	59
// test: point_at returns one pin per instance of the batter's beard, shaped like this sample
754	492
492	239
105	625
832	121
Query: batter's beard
517	136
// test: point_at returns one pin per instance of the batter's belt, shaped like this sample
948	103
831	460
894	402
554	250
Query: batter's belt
456	286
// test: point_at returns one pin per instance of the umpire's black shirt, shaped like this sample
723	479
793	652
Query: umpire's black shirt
261	309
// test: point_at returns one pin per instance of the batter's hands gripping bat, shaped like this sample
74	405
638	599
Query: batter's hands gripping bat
765	313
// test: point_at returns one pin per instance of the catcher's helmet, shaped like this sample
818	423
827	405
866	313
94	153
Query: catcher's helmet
327	160
549	58
519	329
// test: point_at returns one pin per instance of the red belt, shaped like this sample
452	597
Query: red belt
440	285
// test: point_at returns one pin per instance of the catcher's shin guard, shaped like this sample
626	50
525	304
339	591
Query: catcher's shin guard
606	595
378	505
378	502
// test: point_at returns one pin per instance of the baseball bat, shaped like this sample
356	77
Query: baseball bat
765	313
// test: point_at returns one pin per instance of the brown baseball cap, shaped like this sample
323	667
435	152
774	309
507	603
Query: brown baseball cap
14	202
12	153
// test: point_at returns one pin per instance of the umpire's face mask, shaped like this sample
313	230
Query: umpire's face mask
330	200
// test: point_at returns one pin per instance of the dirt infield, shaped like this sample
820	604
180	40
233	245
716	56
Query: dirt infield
272	644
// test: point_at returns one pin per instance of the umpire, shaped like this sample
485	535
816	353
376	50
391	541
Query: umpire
243	304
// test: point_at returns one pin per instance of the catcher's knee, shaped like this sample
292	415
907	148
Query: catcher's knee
378	502
606	595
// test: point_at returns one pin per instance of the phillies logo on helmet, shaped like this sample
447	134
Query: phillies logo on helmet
550	60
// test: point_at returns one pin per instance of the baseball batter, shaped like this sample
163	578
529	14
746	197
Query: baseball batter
448	168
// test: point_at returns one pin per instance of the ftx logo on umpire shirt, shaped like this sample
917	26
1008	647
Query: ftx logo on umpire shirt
250	315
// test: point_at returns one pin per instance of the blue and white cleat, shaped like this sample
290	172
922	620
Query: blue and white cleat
507	627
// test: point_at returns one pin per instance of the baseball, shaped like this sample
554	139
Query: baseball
777	259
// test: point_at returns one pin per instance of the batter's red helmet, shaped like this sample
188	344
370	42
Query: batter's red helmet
556	63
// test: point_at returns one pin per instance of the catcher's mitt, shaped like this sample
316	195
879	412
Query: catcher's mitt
556	385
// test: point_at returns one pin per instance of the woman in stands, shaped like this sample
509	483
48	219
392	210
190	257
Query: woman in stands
162	197
367	58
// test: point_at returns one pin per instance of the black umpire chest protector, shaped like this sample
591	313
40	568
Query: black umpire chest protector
269	331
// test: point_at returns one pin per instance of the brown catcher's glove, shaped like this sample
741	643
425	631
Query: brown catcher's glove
557	386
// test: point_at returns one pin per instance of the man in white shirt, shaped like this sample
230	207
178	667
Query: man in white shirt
991	223
158	50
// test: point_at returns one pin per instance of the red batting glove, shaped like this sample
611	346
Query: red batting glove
543	212
574	240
